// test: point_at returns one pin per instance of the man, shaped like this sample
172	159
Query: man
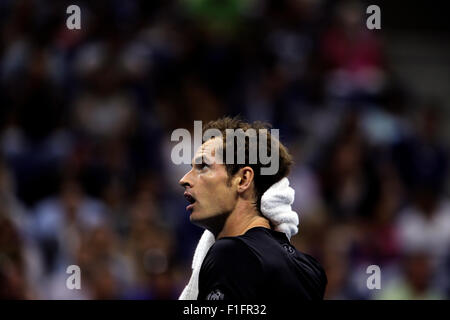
248	259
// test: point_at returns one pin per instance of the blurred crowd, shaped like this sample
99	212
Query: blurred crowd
85	122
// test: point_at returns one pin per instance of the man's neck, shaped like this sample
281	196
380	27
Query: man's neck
243	218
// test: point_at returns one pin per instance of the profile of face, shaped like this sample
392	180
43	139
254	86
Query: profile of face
210	193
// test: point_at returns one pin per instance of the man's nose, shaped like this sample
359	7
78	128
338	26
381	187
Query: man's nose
186	181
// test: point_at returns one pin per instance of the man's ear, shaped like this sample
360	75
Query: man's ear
246	177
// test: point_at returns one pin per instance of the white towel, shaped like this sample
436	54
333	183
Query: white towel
275	205
190	292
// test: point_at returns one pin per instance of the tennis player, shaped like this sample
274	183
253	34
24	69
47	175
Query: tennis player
245	252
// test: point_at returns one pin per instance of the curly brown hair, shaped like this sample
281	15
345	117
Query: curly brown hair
262	182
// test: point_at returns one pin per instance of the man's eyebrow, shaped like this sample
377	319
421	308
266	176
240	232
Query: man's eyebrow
198	160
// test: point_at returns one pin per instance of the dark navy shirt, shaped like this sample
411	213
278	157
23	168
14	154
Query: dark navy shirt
259	265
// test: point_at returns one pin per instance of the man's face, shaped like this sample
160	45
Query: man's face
210	195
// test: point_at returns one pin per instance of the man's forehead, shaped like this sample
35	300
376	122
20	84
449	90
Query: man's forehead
208	148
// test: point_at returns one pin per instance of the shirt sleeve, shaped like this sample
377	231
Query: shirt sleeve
230	271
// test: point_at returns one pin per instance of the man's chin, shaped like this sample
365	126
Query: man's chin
196	218
210	222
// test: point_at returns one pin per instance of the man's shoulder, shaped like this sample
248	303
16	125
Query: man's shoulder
314	266
230	259
230	247
230	254
250	244
230	269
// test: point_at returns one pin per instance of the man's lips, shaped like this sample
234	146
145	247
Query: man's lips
190	199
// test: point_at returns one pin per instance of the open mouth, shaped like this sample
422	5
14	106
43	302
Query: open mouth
190	199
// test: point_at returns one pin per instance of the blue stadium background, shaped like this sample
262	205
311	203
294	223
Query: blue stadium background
86	117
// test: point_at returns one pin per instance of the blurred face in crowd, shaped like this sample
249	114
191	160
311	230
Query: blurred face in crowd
208	189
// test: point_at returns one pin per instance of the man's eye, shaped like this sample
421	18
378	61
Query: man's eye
201	165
